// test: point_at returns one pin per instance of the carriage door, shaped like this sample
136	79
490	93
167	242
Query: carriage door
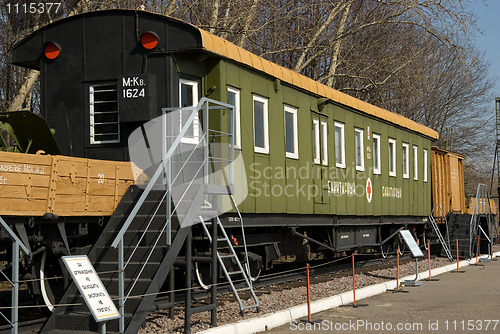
320	165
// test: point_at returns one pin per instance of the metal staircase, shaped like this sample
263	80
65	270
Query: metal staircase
230	275
152	224
435	227
481	213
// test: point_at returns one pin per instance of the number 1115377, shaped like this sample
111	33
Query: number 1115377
33	7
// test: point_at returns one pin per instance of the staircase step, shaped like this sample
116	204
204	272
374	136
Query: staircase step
105	267
140	255
81	307
76	321
132	236
207	215
142	220
77	318
226	256
82	322
140	287
216	189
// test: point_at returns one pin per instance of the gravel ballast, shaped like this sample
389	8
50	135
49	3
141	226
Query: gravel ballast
275	298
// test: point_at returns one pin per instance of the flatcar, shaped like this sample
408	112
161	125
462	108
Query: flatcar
326	173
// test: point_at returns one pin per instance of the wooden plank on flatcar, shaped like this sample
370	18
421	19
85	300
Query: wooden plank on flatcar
76	206
32	185
19	158
22	206
23	191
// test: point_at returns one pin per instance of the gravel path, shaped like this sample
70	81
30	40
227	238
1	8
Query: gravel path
275	298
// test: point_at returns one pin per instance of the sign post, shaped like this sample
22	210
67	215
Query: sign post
93	291
416	253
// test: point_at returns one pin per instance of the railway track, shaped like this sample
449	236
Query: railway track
320	271
283	276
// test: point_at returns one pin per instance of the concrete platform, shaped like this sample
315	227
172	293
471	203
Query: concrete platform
458	302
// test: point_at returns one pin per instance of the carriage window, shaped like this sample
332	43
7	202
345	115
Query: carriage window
392	157
189	98
406	160
316	146
358	143
233	98
425	165
376	154
260	125
291	135
104	116
339	145
415	162
320	136
324	142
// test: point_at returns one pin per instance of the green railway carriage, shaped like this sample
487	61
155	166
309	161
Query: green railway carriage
320	165
343	171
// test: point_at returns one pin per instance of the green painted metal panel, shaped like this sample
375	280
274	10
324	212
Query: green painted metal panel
283	185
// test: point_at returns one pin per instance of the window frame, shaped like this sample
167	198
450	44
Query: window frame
196	122
376	169
361	166
393	142
341	126
406	160
415	162
237	115
316	142
324	142
293	111
425	165
92	114
265	116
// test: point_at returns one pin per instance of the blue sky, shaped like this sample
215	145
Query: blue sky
489	42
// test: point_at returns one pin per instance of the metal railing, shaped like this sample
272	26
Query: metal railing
481	208
246	276
16	244
171	142
446	245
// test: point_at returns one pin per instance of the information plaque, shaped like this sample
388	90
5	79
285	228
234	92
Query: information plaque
411	243
90	286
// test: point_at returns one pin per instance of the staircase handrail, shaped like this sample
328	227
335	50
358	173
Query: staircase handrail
159	170
14	321
246	277
445	222
164	168
440	237
14	236
481	207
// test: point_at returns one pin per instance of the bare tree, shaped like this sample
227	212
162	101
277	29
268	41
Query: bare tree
414	57
25	89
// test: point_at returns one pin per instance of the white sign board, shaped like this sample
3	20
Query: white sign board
412	244
90	286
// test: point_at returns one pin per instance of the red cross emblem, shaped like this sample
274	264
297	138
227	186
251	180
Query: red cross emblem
369	190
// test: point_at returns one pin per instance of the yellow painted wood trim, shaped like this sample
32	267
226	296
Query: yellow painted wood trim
226	49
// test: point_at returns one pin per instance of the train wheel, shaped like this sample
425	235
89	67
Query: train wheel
51	281
386	250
